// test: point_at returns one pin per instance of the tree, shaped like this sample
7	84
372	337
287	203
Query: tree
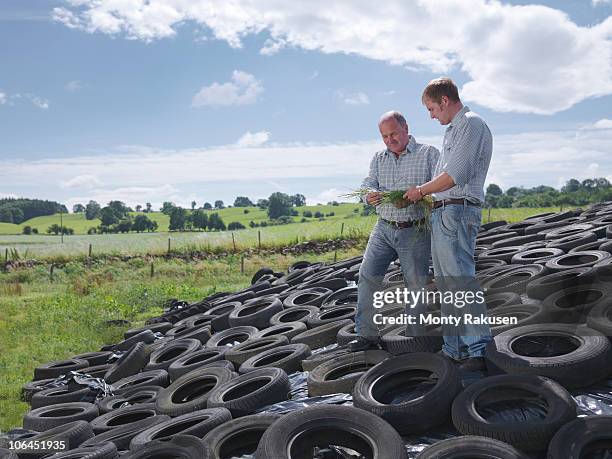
219	204
178	218
149	207
6	215
298	200
262	203
571	186
588	183
142	223
193	204
215	222
494	190
235	226
108	217
603	182
242	201
318	214
119	209
207	206
279	204
167	207
92	210
199	219
138	207
124	226
307	213
27	229
78	208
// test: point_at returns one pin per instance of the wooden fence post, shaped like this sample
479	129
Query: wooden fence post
242	264
51	271
342	229
233	241
89	252
259	238
168	245
489	216
6	255
152	269
335	255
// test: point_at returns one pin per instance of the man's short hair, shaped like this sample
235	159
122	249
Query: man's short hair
440	87
397	116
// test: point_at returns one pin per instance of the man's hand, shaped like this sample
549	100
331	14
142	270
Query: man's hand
413	195
374	198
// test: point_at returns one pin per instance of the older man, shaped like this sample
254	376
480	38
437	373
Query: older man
458	188
404	163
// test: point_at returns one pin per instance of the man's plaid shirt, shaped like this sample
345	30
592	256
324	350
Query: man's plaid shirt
387	173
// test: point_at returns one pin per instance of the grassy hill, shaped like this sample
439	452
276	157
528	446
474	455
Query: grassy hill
80	225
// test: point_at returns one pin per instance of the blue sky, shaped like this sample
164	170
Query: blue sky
203	100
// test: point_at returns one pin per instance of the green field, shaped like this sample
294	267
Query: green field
355	226
41	320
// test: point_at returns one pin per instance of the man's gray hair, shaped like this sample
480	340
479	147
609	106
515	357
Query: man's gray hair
397	116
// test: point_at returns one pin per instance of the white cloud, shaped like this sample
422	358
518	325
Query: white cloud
73	85
243	89
357	98
599	2
272	47
9	99
82	181
520	58
3	98
332	194
603	124
314	75
39	102
256	139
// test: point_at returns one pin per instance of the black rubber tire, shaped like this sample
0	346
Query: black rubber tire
201	333
242	352
572	241
333	284
548	284
288	329
176	447
259	273
94	358
220	314
295	277
164	356
128	364
32	387
567	230
531	256
8	454
122	417
48	417
572	305
332	314
396	342
62	394
606	246
502	299
517	240
580	356
231	336
131	397
300	431
199	320
238	437
340	375
342	296
161	327
318	358
586	259
195	360
198	424
528	434
300	313
514	280
490	225
346	334
575	439
589	246
96	372
145	336
320	336
472	447
121	436
191	391
256	314
146	378
72	434
501	253
600	318
288	358
57	368
251	391
416	415
105	450
306	297
525	314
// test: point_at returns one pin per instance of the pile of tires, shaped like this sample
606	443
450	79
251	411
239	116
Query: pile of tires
198	380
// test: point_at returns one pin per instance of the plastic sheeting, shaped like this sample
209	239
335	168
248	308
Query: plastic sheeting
99	389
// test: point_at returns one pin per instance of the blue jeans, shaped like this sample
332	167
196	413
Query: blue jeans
454	230
412	247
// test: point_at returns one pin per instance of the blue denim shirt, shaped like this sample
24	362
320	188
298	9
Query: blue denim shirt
466	154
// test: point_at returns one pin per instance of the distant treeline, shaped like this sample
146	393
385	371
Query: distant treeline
573	193
19	210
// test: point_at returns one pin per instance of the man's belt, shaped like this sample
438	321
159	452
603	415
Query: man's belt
408	224
446	202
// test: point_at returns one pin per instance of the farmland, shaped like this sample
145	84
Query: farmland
345	221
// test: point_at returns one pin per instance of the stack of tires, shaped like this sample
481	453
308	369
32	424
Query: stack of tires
198	381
